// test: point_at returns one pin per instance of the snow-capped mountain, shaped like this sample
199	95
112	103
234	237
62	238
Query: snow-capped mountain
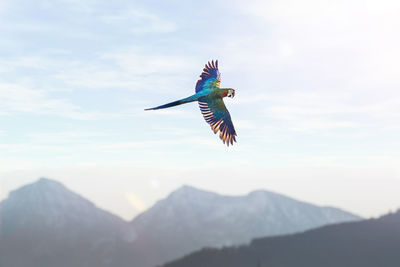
190	219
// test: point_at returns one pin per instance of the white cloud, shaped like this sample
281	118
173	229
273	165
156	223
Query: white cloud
36	62
142	61
65	137
336	14
140	22
327	111
133	69
175	131
15	164
16	98
172	142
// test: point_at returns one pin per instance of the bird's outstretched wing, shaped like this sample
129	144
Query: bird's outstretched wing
216	114
209	78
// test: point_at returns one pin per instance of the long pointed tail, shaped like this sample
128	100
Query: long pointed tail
172	104
176	103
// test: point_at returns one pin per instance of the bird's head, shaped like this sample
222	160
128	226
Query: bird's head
231	92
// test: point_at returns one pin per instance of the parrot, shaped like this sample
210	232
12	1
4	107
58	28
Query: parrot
210	96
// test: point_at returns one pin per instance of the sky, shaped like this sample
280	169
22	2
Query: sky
316	110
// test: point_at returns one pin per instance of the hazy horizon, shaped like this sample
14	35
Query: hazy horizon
316	108
144	208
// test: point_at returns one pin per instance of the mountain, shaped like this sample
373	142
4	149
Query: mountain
45	224
190	219
369	243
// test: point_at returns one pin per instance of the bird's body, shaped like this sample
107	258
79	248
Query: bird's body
209	96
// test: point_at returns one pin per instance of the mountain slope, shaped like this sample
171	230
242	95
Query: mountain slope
370	243
190	219
45	224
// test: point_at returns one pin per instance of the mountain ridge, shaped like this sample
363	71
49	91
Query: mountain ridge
218	220
46	224
186	220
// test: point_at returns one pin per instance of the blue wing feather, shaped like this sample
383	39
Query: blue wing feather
217	116
209	78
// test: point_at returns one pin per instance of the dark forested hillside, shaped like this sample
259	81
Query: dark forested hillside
370	243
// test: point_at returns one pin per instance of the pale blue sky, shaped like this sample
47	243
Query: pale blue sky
317	105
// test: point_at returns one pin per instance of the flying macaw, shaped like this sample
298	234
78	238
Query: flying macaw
209	96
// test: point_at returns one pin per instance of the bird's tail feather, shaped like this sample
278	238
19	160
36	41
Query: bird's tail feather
175	103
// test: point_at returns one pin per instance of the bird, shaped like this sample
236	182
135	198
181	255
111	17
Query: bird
210	96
